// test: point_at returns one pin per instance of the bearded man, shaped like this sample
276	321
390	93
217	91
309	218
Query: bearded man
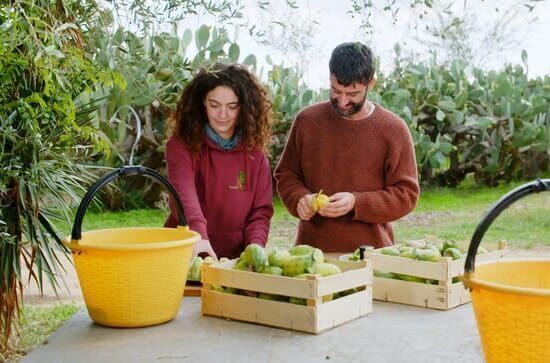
360	154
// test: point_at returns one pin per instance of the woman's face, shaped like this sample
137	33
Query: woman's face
222	110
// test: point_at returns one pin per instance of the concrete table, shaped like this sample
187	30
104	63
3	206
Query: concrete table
391	333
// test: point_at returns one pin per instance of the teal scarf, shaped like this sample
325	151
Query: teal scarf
220	141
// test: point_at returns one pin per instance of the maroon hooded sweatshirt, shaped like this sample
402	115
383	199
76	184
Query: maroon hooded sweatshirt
227	195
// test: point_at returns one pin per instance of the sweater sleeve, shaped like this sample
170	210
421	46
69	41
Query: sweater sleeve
256	229
401	190
289	174
179	165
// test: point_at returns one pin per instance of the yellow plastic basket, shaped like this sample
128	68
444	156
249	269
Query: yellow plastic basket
511	298
131	277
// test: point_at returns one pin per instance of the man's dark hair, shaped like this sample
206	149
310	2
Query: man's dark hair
352	62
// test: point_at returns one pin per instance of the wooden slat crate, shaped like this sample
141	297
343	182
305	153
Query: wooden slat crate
443	296
315	317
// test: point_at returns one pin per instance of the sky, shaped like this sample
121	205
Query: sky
317	26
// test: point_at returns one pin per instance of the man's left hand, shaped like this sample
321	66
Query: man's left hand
340	204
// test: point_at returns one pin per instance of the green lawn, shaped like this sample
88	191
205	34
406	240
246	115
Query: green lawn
36	323
447	213
455	214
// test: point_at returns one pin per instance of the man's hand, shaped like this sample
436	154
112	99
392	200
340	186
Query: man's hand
340	204
304	207
204	246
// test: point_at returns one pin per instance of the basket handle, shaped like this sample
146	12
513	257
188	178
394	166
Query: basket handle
535	186
76	234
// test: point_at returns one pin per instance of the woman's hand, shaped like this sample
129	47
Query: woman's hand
204	246
340	204
304	210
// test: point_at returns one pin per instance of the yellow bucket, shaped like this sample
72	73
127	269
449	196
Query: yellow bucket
131	277
511	298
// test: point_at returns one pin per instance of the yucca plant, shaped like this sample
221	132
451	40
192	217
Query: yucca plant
43	131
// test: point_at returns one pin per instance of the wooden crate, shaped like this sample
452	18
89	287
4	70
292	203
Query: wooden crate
443	296
316	317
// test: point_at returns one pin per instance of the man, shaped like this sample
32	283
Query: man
360	154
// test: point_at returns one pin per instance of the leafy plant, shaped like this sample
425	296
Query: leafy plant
289	95
492	124
44	129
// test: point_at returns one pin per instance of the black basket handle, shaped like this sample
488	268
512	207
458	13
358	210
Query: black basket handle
112	175
536	186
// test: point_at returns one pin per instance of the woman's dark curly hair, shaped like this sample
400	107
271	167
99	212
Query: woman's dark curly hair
254	122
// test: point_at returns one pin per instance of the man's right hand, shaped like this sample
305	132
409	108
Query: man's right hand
204	246
304	210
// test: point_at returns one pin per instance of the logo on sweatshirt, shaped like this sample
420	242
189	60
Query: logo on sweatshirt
241	182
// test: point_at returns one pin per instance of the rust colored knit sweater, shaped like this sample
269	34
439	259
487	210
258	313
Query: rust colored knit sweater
373	158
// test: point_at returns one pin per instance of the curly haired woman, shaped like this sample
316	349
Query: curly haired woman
216	159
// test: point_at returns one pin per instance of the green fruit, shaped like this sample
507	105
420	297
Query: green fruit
271	270
255	256
318	255
217	288
386	275
428	255
415	243
411	278
232	290
194	273
390	251
345	293
408	252
448	244
356	256
327	269
300	250
297	300
453	252
296	265
241	265
265	296
431	246
278	257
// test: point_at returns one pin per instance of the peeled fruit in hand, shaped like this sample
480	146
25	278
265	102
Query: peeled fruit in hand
319	201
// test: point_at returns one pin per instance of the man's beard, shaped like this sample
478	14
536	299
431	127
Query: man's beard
356	107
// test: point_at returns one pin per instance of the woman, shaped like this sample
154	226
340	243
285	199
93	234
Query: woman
216	160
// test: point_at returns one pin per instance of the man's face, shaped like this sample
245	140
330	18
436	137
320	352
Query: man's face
347	100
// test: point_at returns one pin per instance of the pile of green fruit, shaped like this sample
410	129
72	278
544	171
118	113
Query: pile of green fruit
298	262
421	250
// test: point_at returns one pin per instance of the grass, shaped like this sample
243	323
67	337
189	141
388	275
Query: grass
36	324
455	214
